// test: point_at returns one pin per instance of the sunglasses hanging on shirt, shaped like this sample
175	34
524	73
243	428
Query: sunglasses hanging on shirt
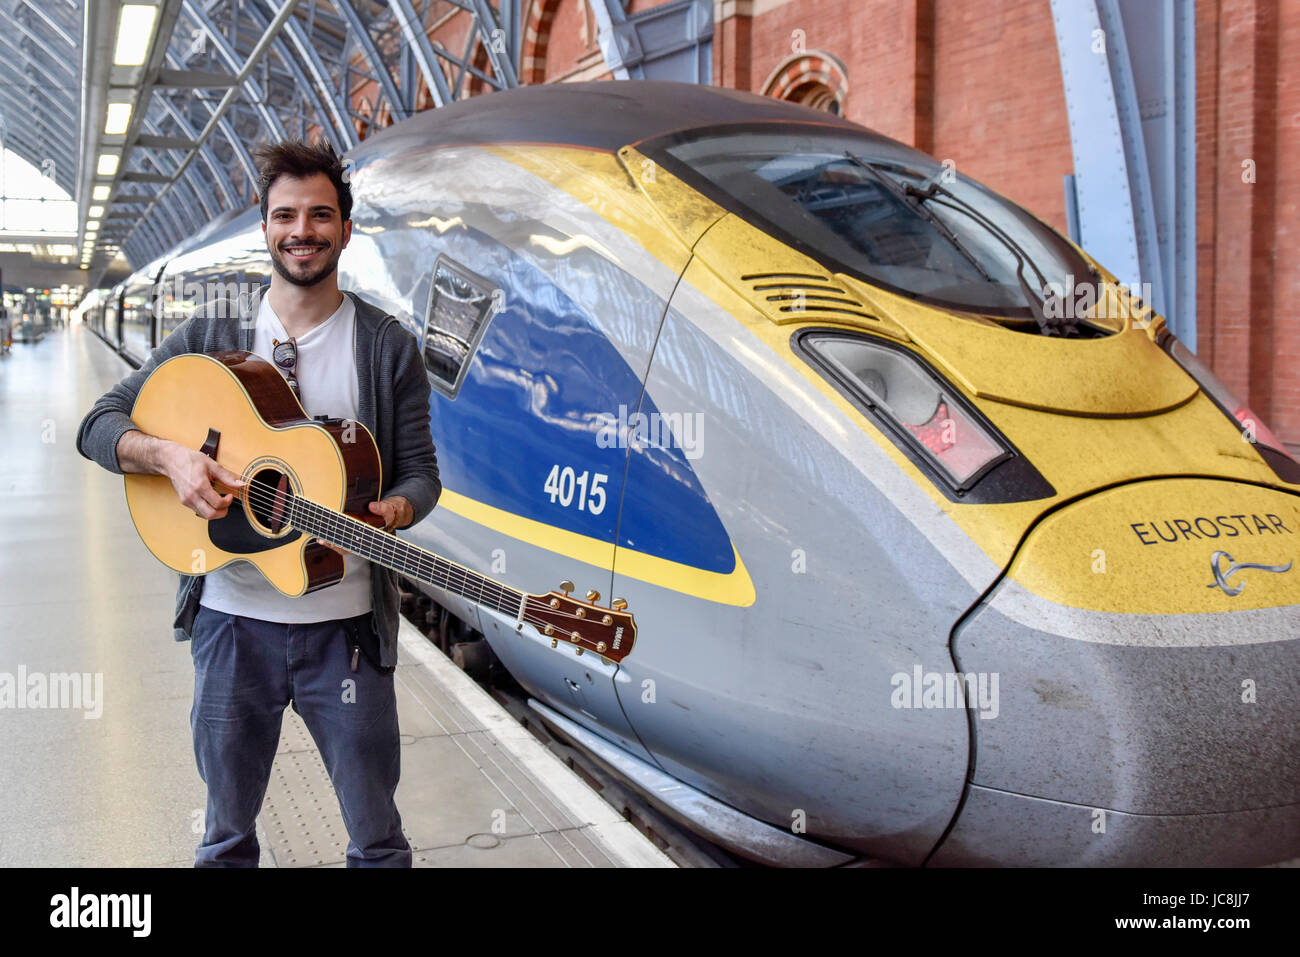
285	355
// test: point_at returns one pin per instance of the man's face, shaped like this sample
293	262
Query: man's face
305	234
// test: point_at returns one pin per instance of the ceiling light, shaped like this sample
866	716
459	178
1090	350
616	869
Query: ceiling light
100	193
107	164
119	118
134	31
95	212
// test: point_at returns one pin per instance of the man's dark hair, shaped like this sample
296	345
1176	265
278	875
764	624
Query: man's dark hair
299	160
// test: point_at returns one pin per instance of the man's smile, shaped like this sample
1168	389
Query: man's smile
303	250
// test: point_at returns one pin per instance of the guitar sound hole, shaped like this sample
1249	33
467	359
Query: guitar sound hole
268	498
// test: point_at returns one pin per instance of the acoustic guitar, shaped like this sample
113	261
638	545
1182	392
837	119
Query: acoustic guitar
309	479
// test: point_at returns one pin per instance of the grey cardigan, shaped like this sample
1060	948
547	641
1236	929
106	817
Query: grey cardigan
393	391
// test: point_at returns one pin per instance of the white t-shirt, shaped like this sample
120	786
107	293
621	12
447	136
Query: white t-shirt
327	378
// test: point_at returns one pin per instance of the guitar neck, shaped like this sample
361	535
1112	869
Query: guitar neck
401	556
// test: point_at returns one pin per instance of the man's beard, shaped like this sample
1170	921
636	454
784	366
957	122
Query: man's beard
277	263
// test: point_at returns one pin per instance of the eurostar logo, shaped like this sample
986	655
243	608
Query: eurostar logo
1222	574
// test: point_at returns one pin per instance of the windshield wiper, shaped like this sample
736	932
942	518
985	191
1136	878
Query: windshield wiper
1037	301
899	193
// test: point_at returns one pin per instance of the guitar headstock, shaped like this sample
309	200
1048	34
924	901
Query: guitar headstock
609	632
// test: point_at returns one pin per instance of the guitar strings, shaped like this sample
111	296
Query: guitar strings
268	496
459	579
335	522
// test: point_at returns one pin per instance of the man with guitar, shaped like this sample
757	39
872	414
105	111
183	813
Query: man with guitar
329	652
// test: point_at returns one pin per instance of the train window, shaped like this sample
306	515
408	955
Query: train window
460	305
882	211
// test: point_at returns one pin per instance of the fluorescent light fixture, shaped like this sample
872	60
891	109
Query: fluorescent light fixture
100	193
119	118
134	32
95	212
107	164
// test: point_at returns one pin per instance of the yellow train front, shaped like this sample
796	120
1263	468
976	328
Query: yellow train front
941	549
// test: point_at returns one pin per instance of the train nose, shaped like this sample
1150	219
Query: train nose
1146	642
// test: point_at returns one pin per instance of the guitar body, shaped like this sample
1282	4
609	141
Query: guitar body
241	404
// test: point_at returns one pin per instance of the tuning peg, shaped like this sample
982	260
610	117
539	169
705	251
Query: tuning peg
618	603
566	586
593	596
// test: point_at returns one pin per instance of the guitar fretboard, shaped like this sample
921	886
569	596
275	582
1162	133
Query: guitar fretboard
392	552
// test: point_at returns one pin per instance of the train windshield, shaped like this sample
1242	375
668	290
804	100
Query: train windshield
883	212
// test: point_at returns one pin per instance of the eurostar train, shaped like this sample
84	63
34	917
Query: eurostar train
926	569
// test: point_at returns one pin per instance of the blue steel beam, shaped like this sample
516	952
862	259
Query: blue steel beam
1132	130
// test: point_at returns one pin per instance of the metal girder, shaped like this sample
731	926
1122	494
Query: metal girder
671	41
234	140
44	47
49	22
158	141
314	80
1132	131
37	131
502	65
242	85
195	79
137	176
220	175
252	91
421	49
38	57
396	106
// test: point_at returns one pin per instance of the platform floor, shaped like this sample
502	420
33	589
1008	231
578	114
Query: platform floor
111	780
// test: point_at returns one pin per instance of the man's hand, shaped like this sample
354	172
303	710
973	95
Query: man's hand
397	512
192	474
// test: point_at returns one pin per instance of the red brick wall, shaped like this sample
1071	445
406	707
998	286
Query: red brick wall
1248	95
1284	411
999	102
977	83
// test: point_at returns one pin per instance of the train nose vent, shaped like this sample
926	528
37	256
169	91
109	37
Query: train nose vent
797	296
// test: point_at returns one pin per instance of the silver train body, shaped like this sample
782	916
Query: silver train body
609	407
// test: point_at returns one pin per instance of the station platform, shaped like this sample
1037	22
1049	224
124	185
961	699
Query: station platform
97	767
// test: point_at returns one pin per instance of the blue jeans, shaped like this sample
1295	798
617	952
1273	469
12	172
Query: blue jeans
245	672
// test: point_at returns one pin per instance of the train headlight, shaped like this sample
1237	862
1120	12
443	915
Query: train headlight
1253	429
927	418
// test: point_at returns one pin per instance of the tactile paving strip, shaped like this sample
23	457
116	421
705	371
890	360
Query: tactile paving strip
465	800
300	815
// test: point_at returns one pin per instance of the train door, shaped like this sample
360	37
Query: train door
529	382
689	685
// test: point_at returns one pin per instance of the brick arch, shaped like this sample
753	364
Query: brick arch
537	34
815	78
